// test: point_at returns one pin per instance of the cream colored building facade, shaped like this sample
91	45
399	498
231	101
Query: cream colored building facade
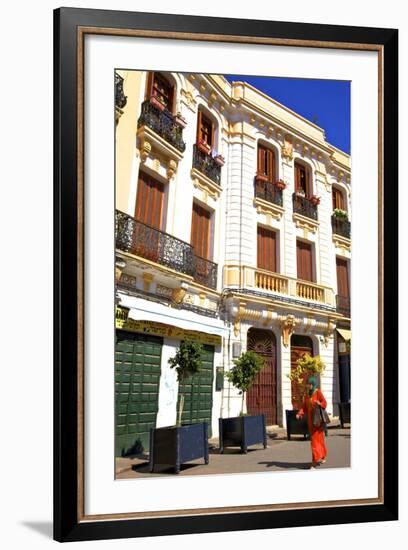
228	298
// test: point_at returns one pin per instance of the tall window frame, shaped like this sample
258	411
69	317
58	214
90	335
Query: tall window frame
303	178
159	86
266	163
205	129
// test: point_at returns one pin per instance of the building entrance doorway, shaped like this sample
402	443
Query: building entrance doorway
299	346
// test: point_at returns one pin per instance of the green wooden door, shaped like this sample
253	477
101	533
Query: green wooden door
198	392
137	376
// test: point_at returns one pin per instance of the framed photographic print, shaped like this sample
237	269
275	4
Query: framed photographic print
225	222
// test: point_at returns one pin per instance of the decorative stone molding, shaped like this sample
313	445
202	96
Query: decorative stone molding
166	291
189	299
269	209
307	224
202	296
288	326
189	100
171	168
178	294
119	267
145	150
342	243
147	280
205	184
331	325
287	148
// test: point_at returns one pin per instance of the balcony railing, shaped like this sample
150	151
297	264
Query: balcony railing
267	191
205	164
303	206
162	122
343	305
160	247
340	226
205	272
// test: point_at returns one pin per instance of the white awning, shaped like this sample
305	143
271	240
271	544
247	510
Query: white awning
144	310
344	333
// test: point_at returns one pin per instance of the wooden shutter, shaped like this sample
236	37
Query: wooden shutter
266	249
205	129
149	201
200	231
304	261
149	86
159	86
302	179
266	162
337	199
342	278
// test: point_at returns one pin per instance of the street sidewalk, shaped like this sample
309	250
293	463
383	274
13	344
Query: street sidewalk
280	454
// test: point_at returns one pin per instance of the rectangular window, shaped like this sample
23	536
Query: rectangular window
337	198
266	162
342	278
302	179
304	258
266	257
200	231
158	86
205	129
149	201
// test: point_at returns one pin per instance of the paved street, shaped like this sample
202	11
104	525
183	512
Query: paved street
279	455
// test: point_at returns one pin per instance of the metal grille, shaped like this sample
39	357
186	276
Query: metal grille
340	227
207	165
162	122
268	192
303	206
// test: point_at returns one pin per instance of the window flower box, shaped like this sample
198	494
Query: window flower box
204	147
280	184
157	103
315	200
340	214
180	120
219	159
261	177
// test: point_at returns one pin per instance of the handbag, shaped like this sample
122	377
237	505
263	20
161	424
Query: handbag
320	416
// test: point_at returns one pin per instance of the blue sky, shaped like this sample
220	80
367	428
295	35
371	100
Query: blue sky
324	102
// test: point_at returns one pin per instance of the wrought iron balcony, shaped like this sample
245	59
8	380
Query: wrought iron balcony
120	97
206	165
160	247
340	226
303	206
162	122
343	305
205	272
267	191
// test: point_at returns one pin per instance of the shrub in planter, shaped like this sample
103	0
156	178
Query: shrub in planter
340	214
170	446
314	199
345	416
243	430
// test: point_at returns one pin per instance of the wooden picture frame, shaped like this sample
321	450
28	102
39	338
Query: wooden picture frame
71	25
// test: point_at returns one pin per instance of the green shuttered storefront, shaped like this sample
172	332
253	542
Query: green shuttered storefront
137	377
198	391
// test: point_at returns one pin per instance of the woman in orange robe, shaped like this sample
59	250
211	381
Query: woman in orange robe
311	400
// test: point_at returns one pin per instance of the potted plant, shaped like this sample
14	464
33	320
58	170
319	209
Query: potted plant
315	200
203	146
219	159
340	214
171	446
307	365
156	102
261	177
243	430
180	120
280	184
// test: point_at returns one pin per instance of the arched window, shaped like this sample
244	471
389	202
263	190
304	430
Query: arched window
160	88
338	199
205	130
303	179
266	163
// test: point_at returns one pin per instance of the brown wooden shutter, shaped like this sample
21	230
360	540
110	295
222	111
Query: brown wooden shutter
149	87
304	261
149	201
337	199
266	258
200	231
266	162
342	278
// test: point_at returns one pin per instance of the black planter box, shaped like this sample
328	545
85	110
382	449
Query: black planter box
242	431
295	426
345	413
171	446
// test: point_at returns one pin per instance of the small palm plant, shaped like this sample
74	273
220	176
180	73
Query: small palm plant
187	362
242	375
